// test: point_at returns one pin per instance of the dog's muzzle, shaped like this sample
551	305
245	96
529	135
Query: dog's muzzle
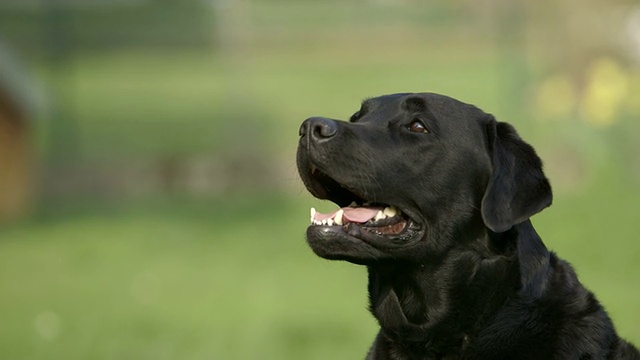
318	129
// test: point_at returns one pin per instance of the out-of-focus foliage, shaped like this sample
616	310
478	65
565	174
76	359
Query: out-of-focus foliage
106	25
170	222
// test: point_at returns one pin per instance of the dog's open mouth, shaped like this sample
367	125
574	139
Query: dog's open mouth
380	224
381	220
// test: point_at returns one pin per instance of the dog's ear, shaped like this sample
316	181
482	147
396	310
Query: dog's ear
517	188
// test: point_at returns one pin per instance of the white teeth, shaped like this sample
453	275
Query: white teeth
336	220
338	217
353	204
379	216
390	211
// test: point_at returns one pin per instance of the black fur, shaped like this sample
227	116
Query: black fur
469	278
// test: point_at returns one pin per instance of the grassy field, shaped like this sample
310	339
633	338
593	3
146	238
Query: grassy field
234	279
231	277
221	280
151	103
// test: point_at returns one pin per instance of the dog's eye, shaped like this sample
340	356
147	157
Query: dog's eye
417	126
355	116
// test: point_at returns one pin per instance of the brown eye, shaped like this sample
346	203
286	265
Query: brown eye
417	126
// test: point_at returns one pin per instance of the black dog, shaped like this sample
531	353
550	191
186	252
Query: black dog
435	200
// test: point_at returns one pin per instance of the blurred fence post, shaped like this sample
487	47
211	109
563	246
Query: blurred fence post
59	44
512	49
232	37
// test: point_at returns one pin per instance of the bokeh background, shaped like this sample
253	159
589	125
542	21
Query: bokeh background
149	201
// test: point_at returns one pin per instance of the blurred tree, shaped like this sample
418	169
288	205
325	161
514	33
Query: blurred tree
512	18
19	103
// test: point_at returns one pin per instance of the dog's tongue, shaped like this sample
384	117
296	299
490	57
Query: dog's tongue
360	214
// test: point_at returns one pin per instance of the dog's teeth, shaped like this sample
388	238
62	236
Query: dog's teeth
324	222
317	222
353	204
379	216
338	217
313	213
330	222
390	211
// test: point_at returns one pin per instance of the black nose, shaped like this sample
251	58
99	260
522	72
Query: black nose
319	128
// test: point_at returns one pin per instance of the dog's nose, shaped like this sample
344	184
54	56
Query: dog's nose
319	128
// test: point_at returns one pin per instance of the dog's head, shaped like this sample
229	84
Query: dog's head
413	174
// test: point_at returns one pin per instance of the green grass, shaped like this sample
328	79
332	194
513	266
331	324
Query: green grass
196	282
152	103
236	280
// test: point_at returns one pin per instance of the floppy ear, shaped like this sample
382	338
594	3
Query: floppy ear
517	187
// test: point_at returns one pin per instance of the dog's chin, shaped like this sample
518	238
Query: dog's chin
364	243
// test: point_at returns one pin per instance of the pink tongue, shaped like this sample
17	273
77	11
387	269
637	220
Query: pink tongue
359	214
356	215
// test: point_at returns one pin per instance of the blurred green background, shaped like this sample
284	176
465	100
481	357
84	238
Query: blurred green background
160	214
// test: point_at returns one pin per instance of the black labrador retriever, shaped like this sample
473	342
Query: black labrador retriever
435	199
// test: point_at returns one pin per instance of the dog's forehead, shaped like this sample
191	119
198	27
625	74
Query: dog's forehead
382	104
441	106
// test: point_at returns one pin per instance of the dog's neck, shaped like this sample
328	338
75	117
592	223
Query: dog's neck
437	306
